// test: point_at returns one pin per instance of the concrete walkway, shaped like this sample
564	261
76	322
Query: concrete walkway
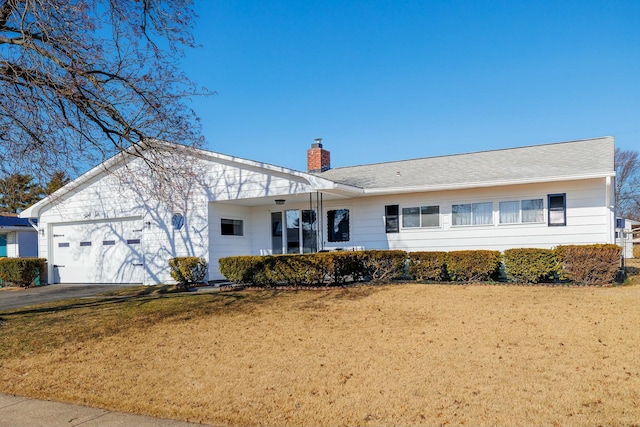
18	411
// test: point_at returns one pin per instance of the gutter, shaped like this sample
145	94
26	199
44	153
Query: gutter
461	186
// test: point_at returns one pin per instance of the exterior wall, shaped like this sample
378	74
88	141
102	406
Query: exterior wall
27	243
625	237
130	194
588	221
12	245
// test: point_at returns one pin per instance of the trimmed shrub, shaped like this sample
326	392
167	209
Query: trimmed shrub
431	266
344	266
530	265
589	264
187	270
473	265
315	269
240	269
21	272
636	250
305	270
379	265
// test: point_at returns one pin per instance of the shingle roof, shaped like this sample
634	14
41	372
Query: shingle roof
565	160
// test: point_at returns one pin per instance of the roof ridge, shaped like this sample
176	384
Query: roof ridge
468	153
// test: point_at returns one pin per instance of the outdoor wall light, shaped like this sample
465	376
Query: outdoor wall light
280	201
148	224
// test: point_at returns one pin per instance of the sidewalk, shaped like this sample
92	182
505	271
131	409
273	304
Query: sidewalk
18	411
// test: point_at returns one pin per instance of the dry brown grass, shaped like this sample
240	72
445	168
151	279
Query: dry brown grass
389	355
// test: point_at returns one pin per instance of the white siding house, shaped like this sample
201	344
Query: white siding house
106	228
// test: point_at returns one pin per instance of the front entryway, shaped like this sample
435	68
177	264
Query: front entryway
300	231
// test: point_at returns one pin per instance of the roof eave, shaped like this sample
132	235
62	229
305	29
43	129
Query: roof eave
464	186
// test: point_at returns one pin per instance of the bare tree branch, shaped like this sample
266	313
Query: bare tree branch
85	79
627	183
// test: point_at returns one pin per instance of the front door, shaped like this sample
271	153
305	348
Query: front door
300	234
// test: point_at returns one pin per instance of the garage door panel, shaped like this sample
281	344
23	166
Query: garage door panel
98	252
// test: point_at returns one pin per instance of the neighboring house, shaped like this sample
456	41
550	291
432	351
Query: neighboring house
99	229
627	235
17	237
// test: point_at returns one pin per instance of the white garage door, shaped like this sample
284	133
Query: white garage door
98	251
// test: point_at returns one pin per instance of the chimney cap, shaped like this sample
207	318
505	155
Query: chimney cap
317	143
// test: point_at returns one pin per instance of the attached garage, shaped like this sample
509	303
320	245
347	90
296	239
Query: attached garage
103	251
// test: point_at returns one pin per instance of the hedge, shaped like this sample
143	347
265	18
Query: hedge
589	264
317	269
382	265
530	265
429	266
473	265
21	272
187	271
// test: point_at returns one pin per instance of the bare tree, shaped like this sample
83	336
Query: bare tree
627	183
82	80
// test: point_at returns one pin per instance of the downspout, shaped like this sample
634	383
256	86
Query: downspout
33	224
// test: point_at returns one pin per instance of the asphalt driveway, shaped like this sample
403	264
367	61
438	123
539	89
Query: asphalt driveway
18	297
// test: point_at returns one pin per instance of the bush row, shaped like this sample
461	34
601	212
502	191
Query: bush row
316	269
23	272
584	264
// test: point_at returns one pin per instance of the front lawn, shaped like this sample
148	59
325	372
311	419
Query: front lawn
388	355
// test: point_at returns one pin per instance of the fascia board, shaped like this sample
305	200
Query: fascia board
427	188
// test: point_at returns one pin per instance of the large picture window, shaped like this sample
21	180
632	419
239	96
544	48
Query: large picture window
472	214
557	209
423	216
338	225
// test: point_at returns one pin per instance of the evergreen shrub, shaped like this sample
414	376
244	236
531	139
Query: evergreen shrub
530	265
21	272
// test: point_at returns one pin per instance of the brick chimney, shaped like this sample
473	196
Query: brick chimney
318	159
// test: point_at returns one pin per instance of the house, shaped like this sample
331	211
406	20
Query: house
118	224
17	237
627	235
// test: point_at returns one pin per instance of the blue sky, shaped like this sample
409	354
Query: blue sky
394	80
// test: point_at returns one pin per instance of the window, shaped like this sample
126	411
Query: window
392	224
532	211
509	212
525	211
133	241
338	225
473	214
85	243
423	216
557	209
63	245
108	242
231	227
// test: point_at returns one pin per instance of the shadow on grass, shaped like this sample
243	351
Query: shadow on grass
144	298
